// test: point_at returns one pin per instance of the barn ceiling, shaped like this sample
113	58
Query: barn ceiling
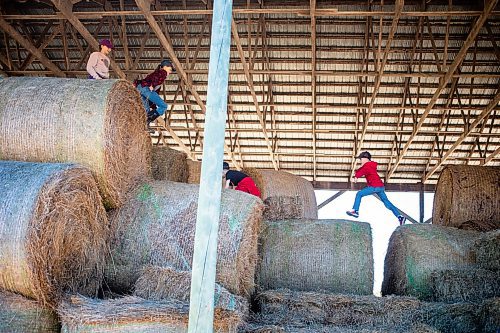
312	83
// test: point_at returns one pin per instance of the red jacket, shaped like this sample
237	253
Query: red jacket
369	170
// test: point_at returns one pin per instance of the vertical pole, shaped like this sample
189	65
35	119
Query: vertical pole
421	197
201	308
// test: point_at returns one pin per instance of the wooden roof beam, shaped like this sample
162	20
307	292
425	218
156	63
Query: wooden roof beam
491	157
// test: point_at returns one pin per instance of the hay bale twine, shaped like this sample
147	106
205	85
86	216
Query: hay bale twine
19	314
487	250
97	123
194	171
416	250
470	285
134	315
169	164
467	197
157	224
313	255
274	185
490	315
53	230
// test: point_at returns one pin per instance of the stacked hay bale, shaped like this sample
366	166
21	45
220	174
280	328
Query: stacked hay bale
194	171
53	230
169	164
99	124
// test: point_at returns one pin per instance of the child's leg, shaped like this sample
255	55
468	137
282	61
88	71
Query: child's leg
160	103
362	193
387	203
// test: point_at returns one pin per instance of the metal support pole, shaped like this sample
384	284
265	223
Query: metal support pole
201	308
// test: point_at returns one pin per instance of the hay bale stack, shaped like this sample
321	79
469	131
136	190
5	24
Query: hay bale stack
315	328
167	283
134	315
313	255
293	196
194	171
53	233
169	164
416	250
157	224
487	250
97	123
467	198
490	315
19	314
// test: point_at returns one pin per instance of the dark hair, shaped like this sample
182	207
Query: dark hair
225	166
365	154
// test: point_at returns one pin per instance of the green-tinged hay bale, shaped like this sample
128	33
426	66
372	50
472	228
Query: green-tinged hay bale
194	171
416	250
134	315
487	250
156	226
169	164
97	123
467	197
53	232
490	315
282	208
313	255
275	184
159	283
470	285
19	314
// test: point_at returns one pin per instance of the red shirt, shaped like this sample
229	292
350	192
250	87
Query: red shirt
369	170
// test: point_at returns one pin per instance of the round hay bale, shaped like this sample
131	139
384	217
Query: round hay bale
19	314
53	230
274	185
487	250
156	226
134	315
97	123
490	315
169	164
416	250
194	171
470	285
467	197
313	255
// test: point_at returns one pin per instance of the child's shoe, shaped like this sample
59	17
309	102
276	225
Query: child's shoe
401	219
353	213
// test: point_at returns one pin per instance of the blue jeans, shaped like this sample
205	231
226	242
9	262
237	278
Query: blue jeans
381	193
148	95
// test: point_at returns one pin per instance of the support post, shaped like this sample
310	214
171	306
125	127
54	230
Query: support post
421	197
201	307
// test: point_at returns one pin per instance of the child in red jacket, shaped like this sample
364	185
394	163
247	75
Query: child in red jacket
375	186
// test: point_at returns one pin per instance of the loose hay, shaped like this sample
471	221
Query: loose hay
19	314
194	171
97	123
467	197
313	255
53	232
169	164
160	283
416	250
134	315
156	226
471	285
274	185
490	315
487	250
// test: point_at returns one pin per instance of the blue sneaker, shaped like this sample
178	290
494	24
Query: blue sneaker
353	213
401	219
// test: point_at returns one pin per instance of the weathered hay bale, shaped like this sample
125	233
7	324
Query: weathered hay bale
451	318
275	184
467	197
283	208
471	285
97	123
53	233
313	255
487	250
19	314
157	224
490	315
315	328
169	164
416	250
134	315
160	283
194	171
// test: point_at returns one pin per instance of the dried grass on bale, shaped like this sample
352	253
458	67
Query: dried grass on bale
490	315
169	164
194	171
134	315
282	208
467	197
156	226
416	250
97	123
53	233
275	184
19	314
313	255
487	250
259	328
160	283
470	285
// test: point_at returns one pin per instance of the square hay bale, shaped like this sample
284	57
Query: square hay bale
194	171
169	164
314	255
